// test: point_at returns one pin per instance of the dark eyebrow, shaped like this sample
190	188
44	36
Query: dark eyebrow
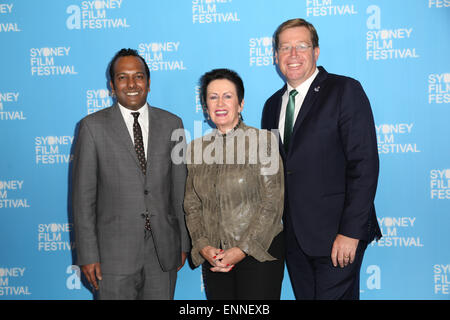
126	73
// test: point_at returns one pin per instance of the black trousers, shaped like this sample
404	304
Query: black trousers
315	277
249	279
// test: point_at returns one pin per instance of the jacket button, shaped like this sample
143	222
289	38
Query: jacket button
146	192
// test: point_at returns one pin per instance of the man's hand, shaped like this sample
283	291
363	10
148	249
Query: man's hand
92	273
344	249
183	260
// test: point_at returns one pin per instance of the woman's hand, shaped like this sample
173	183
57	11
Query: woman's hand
228	259
212	254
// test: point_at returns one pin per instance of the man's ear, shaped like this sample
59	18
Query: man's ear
111	84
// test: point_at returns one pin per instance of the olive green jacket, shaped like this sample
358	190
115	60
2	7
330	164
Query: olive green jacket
234	192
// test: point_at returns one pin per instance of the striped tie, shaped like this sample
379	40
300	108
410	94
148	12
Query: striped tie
289	120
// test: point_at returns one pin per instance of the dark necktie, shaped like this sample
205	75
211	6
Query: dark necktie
139	142
289	120
140	151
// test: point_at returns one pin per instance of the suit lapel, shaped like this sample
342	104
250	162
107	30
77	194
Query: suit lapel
151	128
277	109
310	99
121	132
276	117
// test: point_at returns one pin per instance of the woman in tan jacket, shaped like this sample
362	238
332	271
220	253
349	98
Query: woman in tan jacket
234	198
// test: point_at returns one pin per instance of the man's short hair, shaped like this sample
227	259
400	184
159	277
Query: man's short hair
292	23
125	53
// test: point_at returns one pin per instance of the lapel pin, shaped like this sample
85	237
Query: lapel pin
316	89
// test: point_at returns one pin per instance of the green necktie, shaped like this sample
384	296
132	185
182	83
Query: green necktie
289	120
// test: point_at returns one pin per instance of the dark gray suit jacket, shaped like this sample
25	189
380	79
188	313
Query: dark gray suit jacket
111	194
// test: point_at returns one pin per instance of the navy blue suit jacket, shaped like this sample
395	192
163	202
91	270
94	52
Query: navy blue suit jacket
331	167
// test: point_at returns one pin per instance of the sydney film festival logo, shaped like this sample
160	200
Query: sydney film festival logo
51	61
395	138
387	44
439	88
162	56
53	149
440	184
398	232
8	106
11	194
213	11
439	4
97	99
6	12
198	102
261	52
54	237
11	282
95	14
441	279
320	8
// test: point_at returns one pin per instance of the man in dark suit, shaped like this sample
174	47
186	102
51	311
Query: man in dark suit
330	155
130	231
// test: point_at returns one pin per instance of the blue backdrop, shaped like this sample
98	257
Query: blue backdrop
54	56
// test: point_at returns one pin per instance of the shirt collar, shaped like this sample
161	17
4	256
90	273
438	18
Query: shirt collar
304	87
143	111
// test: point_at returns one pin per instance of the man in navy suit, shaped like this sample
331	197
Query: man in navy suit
330	155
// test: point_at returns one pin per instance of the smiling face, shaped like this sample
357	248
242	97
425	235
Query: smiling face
223	104
296	66
130	83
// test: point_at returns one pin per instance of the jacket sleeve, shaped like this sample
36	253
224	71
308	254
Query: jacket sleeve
357	133
194	216
266	221
177	194
84	194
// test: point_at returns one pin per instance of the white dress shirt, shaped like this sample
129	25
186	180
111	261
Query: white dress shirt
302	91
143	122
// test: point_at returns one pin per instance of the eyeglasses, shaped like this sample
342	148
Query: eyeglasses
301	47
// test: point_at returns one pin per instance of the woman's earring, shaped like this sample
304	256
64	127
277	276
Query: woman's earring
205	110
